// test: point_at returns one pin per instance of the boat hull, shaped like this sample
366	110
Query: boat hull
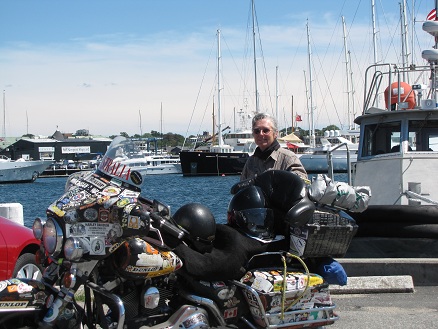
398	221
21	171
195	163
163	169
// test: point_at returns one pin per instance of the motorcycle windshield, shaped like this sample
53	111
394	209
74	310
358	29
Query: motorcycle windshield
117	164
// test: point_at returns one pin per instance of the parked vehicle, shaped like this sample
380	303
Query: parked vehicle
17	251
120	247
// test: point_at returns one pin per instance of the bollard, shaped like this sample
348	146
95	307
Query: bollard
13	212
416	188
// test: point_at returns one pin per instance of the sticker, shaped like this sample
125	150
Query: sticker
111	191
136	177
23	287
230	313
13	304
103	199
225	293
129	194
82	195
103	215
123	202
3	285
56	210
12	288
91	214
261	284
134	222
97	246
297	245
97	182
108	203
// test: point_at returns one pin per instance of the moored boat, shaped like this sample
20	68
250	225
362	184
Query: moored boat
154	164
398	151
216	159
21	171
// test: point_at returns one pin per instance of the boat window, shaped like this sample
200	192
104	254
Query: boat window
379	138
423	135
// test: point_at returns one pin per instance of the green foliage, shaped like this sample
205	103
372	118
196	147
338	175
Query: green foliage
168	139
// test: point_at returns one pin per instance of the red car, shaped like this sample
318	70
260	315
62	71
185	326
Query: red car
17	251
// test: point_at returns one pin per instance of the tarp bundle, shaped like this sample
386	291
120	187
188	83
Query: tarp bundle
339	194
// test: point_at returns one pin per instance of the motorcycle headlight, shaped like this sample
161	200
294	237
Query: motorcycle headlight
73	249
37	228
52	237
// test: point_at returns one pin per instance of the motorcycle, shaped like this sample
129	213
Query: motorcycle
105	242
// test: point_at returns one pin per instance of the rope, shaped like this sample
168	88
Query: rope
283	295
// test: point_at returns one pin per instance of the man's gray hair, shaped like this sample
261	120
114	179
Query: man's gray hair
261	116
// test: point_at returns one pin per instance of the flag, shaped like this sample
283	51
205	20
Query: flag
432	15
298	118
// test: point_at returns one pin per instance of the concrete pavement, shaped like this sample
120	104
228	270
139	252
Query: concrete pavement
388	265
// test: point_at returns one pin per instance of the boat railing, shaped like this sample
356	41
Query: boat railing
330	161
391	72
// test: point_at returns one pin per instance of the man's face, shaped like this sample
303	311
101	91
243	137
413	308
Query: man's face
263	133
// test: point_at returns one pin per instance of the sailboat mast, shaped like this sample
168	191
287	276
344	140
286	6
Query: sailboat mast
312	123
4	114
255	57
141	128
161	126
219	114
348	77
276	92
307	101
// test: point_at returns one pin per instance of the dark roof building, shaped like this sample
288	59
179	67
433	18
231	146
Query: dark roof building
58	148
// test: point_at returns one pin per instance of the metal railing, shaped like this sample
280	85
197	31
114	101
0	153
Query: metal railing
330	161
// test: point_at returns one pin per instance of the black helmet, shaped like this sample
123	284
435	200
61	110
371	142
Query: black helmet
248	211
199	224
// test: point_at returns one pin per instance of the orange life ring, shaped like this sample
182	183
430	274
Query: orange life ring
406	94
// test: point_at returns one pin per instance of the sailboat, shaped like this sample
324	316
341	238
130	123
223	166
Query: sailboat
221	158
20	170
339	146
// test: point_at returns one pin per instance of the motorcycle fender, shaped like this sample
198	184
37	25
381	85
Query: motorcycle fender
19	294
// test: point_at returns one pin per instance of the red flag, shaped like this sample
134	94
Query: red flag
432	15
298	118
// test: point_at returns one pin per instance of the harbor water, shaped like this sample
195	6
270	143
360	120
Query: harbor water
174	190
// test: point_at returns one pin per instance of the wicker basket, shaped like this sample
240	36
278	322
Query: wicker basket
329	233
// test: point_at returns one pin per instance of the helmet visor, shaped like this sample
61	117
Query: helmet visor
257	222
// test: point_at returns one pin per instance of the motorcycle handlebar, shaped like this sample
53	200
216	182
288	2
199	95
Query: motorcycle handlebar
167	226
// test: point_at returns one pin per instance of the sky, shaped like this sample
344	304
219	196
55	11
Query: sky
134	66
